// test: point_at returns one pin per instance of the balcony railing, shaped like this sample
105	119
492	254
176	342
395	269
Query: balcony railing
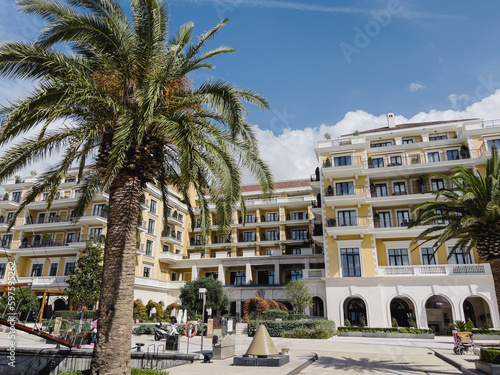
63	218
350	161
348	222
313	273
343	191
391	223
314	178
433	270
384	191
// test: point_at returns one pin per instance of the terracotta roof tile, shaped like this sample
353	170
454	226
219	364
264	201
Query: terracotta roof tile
277	185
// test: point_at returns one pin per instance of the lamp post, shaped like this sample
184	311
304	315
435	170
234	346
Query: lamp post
203	295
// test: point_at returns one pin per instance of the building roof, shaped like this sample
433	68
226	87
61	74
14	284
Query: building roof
410	125
277	185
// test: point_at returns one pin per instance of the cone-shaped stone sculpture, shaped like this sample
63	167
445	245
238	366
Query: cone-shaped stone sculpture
262	344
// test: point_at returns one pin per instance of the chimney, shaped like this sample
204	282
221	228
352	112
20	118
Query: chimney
391	120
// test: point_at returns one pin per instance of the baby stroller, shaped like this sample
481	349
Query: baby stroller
463	342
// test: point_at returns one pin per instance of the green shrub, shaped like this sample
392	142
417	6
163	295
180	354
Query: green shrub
293	316
490	355
324	329
362	323
74	315
276	314
469	325
386	330
135	371
485	332
348	323
276	329
395	323
145	329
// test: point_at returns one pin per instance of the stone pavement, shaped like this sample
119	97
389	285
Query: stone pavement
347	355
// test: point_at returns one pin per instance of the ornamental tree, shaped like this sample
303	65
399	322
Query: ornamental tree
299	296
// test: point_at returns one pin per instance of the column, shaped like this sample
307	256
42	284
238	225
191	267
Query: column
277	273
249	278
222	274
194	272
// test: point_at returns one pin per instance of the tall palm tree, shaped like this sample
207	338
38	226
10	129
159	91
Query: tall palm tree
469	212
134	113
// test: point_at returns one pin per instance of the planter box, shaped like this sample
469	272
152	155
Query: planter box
485	337
390	335
487	368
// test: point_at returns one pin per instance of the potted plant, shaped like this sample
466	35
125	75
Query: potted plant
464	152
370	162
328	163
421	183
414	160
46	237
6	197
356	133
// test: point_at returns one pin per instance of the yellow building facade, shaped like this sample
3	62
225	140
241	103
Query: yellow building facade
366	185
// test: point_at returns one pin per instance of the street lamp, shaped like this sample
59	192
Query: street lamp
203	295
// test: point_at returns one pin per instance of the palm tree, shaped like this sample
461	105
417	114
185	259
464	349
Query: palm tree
128	106
469	212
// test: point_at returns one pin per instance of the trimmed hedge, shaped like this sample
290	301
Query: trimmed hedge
277	329
276	314
75	315
386	330
485	332
324	329
490	355
145	329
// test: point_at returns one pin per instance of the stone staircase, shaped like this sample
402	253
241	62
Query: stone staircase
242	328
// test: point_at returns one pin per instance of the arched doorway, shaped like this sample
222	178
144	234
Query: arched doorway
355	311
59	304
402	310
439	315
477	310
318	308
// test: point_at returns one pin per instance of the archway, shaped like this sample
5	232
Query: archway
402	310
355	311
476	309
439	314
318	307
59	304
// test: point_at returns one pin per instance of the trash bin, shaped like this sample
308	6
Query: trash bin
172	343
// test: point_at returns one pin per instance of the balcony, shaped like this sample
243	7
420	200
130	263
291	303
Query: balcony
173	218
346	195
8	204
169	257
160	285
345	168
170	237
142	226
45	282
436	270
347	225
290	202
63	221
308	274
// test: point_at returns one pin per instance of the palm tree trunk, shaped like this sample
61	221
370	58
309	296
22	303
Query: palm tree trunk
111	354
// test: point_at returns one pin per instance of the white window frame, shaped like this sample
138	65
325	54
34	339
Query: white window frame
397	245
350	244
147	266
436	258
450	244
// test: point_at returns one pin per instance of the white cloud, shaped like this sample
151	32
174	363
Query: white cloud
414	86
291	153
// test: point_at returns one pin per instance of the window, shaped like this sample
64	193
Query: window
340	161
70	179
381	144
53	269
292	275
459	256
350	262
36	270
179	235
213	274
10	215
180	217
16	196
407	141
380	190
6	241
438	137
197	239
452	155
437	184
248	236
428	256
395	160
433	157
299	234
70	237
296	251
383	220
399	188
166	248
398	257
146	272
99	210
151	226
265	277
237	278
149	248
173	276
344	188
152	206
378	163
272	216
95	233
493	143
54	217
76	193
3	268
250	218
347	218
70	267
298	216
403	218
272	235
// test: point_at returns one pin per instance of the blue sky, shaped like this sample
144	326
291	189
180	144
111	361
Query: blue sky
337	66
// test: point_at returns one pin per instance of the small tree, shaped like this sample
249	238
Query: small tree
395	323
85	281
217	299
299	296
25	298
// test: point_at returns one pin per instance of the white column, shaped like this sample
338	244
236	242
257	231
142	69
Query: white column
249	273
222	274
276	272
194	272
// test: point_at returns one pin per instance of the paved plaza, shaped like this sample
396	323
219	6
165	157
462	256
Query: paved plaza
336	355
